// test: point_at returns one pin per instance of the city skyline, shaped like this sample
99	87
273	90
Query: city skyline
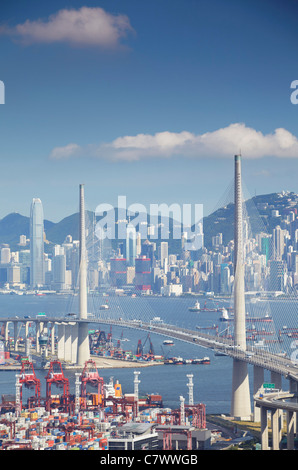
153	105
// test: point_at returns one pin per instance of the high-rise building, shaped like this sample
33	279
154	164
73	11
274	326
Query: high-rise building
59	271
36	244
118	272
163	253
5	255
277	275
131	245
278	243
143	273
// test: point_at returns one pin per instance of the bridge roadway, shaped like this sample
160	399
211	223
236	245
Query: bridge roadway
255	356
277	403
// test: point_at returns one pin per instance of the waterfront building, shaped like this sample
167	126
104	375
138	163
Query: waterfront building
36	244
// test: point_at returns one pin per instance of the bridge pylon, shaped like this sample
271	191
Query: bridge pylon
240	404
83	354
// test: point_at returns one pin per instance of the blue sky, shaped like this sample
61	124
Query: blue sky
147	99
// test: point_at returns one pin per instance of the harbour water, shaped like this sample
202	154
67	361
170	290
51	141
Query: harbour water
212	383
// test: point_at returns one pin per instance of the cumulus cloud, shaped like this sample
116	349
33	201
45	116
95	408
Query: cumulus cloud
68	150
84	27
221	143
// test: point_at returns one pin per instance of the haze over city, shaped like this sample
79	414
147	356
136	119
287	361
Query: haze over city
152	105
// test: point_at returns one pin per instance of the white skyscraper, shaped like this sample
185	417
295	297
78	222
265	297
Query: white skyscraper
36	244
278	243
131	245
163	253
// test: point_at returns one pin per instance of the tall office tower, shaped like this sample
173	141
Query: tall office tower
277	275
148	251
131	245
163	253
118	272
278	240
59	271
241	406
143	273
5	255
36	244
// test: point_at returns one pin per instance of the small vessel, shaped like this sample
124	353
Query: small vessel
195	308
205	360
265	318
104	306
224	315
220	353
178	361
168	342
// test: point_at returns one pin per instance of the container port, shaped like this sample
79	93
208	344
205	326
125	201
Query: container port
98	416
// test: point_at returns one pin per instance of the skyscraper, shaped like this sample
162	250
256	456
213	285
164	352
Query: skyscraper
163	253
36	244
131	245
278	243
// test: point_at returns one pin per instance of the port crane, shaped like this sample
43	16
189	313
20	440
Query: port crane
90	376
56	376
29	380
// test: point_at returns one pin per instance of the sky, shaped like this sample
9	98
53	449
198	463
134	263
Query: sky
145	99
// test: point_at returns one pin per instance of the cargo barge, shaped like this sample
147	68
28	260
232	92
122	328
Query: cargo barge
180	361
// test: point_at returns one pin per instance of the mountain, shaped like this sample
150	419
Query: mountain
263	212
260	210
13	225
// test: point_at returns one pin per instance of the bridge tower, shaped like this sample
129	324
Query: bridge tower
83	337
240	406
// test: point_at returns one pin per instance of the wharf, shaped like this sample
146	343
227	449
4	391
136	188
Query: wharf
101	363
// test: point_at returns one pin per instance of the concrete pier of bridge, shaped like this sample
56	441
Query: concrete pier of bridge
281	409
73	337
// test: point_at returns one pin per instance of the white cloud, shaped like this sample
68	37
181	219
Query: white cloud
84	27
68	150
221	143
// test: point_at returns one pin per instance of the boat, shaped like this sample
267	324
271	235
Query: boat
168	342
205	360
265	318
220	353
104	307
178	361
195	308
224	315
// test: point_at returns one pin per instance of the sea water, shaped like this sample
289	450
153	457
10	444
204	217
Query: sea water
212	383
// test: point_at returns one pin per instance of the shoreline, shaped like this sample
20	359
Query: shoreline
101	363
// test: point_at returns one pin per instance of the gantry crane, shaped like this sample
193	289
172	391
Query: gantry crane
90	376
56	376
29	380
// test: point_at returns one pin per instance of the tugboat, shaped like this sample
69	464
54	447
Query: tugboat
195	308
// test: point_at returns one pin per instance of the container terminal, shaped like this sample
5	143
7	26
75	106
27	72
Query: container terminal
98	416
